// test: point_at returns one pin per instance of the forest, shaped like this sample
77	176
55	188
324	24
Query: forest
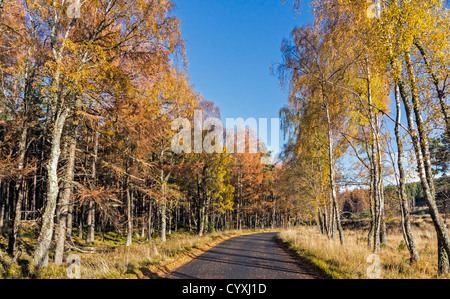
89	93
86	109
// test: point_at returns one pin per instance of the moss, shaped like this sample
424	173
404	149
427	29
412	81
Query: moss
52	272
14	272
27	266
402	246
22	268
6	263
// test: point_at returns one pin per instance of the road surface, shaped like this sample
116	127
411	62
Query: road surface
257	256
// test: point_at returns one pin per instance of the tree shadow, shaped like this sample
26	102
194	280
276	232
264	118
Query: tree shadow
152	275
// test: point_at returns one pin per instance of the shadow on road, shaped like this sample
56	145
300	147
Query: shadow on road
240	256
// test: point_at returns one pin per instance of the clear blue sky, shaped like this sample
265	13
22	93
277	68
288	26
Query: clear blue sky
231	45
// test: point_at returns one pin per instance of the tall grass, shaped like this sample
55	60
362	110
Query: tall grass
350	261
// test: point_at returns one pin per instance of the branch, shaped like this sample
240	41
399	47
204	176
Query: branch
356	152
372	105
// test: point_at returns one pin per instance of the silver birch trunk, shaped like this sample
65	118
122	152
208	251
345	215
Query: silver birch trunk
335	209
406	219
419	140
378	202
129	219
45	236
370	236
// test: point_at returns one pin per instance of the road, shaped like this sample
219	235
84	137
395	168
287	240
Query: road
257	256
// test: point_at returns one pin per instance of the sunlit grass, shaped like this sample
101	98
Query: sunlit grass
350	261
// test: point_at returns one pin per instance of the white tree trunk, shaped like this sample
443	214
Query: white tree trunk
45	236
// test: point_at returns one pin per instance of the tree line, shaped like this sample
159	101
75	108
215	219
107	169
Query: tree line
87	101
369	80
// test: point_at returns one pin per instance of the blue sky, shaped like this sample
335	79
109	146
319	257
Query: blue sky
231	45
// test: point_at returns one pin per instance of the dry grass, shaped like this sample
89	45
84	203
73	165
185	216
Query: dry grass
350	261
142	260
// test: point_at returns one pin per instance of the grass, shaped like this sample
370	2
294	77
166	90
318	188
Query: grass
350	261
142	260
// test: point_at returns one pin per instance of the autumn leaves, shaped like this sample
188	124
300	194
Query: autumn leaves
344	71
95	131
88	96
99	70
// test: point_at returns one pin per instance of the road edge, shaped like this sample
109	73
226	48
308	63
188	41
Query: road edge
321	274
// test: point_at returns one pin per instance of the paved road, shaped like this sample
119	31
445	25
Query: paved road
256	256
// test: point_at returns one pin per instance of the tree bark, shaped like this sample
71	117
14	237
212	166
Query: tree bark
90	223
200	208
163	209
80	223
371	235
149	221
69	229
34	197
420	143
45	236
90	236
335	208
443	260
19	192
375	152
129	219
65	201
406	219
